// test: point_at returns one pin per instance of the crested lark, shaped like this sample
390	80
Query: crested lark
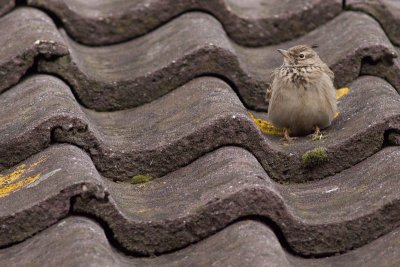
302	94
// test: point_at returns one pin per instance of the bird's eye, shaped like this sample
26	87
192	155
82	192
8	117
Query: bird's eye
301	56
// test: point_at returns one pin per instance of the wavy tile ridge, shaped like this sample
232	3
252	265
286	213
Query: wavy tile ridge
258	246
197	118
342	212
121	76
105	23
127	75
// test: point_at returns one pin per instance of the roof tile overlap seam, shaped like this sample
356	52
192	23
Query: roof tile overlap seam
386	12
81	235
85	132
152	141
108	24
252	35
125	75
227	195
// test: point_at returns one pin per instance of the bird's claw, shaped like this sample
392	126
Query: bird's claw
317	135
287	138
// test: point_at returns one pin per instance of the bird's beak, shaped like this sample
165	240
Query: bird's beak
283	52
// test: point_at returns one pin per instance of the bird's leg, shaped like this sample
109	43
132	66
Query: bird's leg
317	135
286	136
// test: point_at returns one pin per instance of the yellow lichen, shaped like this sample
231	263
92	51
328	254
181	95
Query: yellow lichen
11	177
268	128
342	92
33	165
15	180
6	190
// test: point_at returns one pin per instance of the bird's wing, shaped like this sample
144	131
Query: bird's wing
269	87
328	71
268	93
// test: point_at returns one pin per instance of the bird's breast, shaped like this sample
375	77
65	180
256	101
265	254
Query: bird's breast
300	101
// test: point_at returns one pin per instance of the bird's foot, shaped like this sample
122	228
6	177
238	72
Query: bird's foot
317	135
287	138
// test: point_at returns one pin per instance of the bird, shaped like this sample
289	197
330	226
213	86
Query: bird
301	96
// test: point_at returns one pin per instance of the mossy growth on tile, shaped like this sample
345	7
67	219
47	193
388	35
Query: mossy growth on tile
315	157
140	179
64	60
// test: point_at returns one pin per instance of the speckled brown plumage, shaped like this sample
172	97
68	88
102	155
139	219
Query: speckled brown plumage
302	95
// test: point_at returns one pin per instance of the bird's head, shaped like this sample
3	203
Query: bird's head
300	55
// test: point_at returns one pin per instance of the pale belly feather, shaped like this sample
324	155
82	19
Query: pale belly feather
301	109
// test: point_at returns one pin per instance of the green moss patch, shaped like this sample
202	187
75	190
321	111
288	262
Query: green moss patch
140	179
315	157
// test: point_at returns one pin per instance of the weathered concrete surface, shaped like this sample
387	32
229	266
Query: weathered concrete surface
78	242
34	108
384	70
383	252
181	132
342	212
176	129
6	6
26	34
254	23
387	12
195	44
29	207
